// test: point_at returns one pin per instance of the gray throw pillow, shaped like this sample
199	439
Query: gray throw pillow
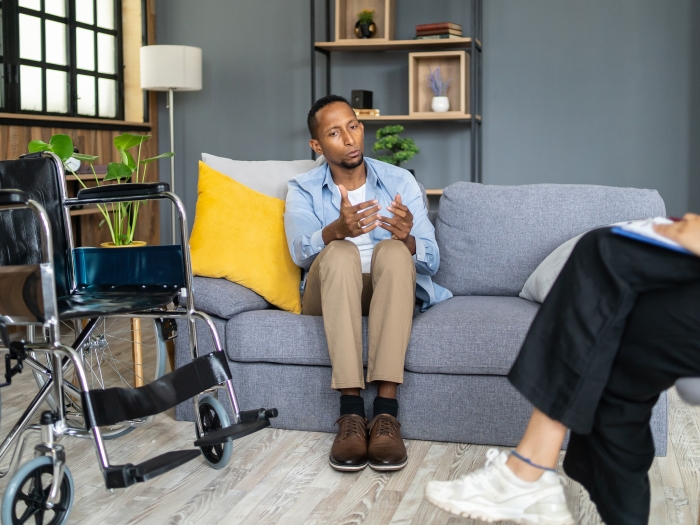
269	177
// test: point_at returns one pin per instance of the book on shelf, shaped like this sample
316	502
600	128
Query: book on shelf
366	112
456	32
436	37
439	25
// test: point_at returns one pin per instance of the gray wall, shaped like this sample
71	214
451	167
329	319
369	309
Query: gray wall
592	92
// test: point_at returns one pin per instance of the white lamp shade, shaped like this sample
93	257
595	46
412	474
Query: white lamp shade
171	67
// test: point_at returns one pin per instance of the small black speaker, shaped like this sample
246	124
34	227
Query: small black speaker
361	99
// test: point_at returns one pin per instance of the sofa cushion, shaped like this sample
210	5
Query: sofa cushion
469	335
492	238
272	336
463	335
225	299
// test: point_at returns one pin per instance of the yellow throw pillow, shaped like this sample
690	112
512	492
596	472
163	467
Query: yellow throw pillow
238	234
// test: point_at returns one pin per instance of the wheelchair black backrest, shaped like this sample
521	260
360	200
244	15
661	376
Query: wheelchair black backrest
42	177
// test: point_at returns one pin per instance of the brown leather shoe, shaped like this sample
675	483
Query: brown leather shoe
386	449
349	450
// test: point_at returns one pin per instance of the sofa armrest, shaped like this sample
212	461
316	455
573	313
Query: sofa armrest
225	299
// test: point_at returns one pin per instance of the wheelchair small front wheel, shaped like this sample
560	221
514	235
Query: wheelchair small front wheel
213	417
27	492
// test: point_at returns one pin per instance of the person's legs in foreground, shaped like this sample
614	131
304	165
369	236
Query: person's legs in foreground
337	290
567	369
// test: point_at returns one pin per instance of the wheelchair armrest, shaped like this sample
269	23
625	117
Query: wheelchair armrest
123	190
13	198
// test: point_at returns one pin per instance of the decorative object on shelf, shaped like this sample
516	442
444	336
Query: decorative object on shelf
367	112
365	26
439	86
170	68
120	217
438	31
377	14
400	149
361	99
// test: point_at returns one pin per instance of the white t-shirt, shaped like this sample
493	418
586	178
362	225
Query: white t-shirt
364	242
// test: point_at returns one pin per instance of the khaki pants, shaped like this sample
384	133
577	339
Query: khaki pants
337	289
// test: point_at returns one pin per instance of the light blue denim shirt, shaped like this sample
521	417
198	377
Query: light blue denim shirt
313	202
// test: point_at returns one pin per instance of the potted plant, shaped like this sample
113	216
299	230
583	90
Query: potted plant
365	26
438	86
399	149
120	217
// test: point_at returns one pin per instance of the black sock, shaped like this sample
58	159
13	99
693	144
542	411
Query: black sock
384	405
352	405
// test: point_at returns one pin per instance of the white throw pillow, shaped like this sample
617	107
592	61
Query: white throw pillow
268	176
539	284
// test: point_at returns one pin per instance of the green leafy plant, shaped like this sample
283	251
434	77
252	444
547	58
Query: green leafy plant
399	149
366	16
120	217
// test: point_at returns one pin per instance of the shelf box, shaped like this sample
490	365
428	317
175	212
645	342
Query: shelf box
453	65
346	17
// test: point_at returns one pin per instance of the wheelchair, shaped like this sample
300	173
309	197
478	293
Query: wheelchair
47	284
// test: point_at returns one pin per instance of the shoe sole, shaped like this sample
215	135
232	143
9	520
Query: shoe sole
388	468
480	515
346	468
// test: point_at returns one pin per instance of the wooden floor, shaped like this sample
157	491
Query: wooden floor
283	477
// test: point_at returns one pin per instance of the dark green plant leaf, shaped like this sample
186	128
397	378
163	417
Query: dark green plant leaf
62	146
38	145
117	171
129	140
161	156
85	158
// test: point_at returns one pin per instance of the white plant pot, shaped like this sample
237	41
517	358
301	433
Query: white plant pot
440	104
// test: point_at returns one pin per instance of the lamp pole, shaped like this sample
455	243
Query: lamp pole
172	163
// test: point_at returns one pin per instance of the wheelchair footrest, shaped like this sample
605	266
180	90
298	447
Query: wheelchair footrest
248	416
121	476
231	432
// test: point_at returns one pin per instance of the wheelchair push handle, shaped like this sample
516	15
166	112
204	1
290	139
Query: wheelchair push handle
12	198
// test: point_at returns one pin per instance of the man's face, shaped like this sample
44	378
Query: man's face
341	138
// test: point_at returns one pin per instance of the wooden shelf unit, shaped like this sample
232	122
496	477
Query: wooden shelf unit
371	44
454	116
470	98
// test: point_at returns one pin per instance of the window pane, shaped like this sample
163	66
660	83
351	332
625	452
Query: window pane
29	37
55	43
83	11
2	50
105	13
56	91
106	54
85	49
31	88
55	7
31	4
86	95
108	97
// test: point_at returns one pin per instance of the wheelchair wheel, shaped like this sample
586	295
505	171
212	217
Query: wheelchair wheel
108	360
28	491
214	417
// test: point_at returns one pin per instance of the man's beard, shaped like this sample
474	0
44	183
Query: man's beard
353	165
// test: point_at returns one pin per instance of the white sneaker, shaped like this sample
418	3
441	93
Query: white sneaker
495	493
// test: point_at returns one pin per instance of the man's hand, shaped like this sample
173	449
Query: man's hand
400	224
354	220
685	232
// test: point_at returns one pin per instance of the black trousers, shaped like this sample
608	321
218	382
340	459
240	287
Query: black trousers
620	325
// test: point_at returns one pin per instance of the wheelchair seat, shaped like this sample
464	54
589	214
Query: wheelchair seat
98	301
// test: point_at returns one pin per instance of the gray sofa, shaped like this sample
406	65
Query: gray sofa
491	239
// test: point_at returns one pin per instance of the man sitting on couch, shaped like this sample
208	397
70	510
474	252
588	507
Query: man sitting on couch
359	262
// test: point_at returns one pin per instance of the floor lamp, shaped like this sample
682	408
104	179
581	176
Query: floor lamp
171	68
